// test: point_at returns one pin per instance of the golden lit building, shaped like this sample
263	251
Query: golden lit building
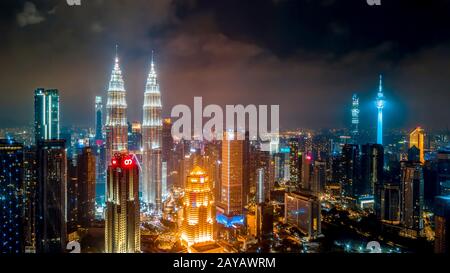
232	175
198	209
122	219
416	138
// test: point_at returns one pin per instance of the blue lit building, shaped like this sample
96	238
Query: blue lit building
355	118
46	114
380	102
11	199
100	153
230	221
98	118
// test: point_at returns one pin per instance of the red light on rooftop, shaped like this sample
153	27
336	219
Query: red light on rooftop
128	162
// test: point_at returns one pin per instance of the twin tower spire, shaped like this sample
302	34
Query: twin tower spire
117	130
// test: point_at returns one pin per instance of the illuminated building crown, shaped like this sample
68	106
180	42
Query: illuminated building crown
380	95
152	85
116	83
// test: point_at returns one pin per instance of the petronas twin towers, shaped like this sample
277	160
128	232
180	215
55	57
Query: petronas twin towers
117	130
151	140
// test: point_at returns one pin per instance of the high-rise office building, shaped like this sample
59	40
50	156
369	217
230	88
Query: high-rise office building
51	215
443	171
122	221
261	188
294	162
152	141
355	118
302	210
167	140
231	205
11	196
86	187
246	168
167	154
414	154
72	196
46	114
116	114
264	221
416	139
30	169
262	160
390	203
442	224
100	158
319	177
307	171
213	163
98	118
412	194
100	152
372	162
198	209
380	102
134	137
279	166
164	188
351	169
371	177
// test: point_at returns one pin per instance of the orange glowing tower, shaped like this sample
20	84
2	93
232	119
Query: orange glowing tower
416	138
198	209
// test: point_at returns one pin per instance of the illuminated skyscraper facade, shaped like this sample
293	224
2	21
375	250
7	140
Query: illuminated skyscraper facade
416	139
46	114
122	221
355	118
152	141
380	105
198	209
11	198
116	114
232	179
294	162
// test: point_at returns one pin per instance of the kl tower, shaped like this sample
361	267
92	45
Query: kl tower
380	104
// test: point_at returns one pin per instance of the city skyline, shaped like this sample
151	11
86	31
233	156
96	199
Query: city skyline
357	153
196	40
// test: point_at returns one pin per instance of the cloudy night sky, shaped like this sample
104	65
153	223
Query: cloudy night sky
307	56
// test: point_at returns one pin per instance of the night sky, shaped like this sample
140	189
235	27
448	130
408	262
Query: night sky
307	56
